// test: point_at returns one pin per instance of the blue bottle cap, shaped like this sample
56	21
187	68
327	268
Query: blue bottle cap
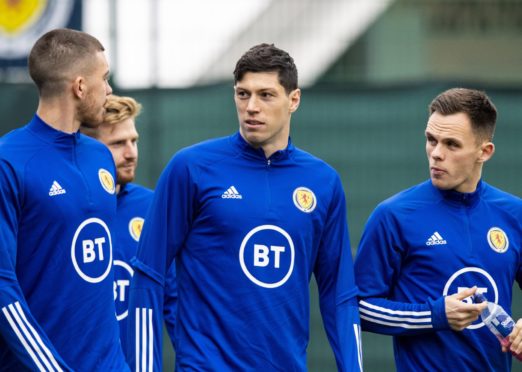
479	298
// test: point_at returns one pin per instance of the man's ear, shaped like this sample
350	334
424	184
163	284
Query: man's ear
295	99
487	149
79	87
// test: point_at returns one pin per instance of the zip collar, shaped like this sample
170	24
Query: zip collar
249	152
48	134
462	198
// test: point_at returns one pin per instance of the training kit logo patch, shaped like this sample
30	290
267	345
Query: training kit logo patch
304	199
91	250
436	239
498	240
135	227
267	256
232	193
56	189
106	180
468	277
122	278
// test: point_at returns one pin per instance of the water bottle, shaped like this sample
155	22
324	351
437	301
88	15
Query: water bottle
498	321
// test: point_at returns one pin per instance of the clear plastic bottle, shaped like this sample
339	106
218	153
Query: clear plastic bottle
498	321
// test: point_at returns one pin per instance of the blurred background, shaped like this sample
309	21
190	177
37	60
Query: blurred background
368	69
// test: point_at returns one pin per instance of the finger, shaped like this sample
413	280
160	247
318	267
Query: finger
516	338
466	293
481	307
516	346
462	321
466	309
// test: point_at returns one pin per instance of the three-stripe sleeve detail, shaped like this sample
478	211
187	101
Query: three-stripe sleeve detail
395	318
29	338
144	340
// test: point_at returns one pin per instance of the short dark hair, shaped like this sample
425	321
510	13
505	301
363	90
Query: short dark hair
475	103
268	58
56	54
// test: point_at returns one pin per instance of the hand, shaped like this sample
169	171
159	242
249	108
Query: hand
515	338
460	314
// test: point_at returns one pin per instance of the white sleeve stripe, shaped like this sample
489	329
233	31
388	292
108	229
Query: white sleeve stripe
357	331
37	347
397	325
137	339
395	319
38	338
22	340
396	312
144	340
151	340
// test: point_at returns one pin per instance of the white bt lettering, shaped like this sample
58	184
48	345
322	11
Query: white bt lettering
89	254
91	250
120	289
262	258
261	255
267	256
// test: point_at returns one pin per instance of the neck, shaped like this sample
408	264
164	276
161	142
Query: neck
269	150
471	186
59	114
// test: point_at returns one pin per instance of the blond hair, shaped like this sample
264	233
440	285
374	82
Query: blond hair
118	109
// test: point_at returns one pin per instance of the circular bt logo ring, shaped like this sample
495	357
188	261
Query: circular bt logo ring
122	279
477	270
276	250
92	250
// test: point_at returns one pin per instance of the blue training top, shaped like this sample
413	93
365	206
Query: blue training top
133	202
423	244
247	233
57	203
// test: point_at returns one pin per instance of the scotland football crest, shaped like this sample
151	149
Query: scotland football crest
22	22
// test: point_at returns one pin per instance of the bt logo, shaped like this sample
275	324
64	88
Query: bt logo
91	250
262	255
267	256
122	277
468	277
89	254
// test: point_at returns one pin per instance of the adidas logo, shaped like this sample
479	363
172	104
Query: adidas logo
231	193
56	189
436	239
